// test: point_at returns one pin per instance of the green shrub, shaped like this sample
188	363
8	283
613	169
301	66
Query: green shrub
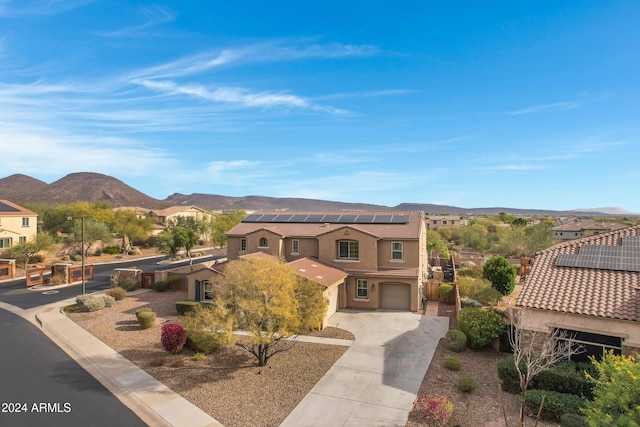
160	286
98	252
573	420
466	384
555	405
129	282
146	319
111	250
94	304
478	289
482	327
444	291
202	341
117	293
468	302
36	259
173	281
82	299
456	340
108	301
563	377
142	310
199	356
452	364
183	307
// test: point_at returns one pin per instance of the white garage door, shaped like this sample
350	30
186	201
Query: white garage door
395	297
332	296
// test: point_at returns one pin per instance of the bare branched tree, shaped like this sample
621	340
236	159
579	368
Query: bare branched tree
535	352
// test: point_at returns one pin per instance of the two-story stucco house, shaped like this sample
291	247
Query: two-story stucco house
163	216
383	254
17	224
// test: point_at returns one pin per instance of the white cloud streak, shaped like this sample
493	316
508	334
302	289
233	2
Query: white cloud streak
18	8
154	15
544	108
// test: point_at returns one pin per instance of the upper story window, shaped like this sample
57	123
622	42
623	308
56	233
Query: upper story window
397	251
22	239
243	245
295	246
25	222
264	243
362	288
348	249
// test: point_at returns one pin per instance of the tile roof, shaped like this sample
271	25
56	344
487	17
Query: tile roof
8	208
411	230
318	272
578	290
172	210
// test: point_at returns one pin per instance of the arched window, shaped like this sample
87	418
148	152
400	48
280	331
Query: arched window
264	243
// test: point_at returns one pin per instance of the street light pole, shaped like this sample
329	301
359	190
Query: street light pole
83	290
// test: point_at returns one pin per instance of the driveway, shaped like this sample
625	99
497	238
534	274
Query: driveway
377	379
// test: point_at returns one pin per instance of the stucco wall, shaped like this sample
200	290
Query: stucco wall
367	249
541	320
11	227
411	254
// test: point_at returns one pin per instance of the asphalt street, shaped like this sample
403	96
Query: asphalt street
41	386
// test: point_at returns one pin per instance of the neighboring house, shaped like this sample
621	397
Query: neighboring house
17	224
590	288
437	221
140	212
163	216
575	229
382	255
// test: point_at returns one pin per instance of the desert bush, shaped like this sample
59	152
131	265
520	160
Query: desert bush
146	319
76	257
573	420
98	252
173	281
160	286
142	310
444	291
452	363
436	409
82	299
199	356
470	269
157	361
482	327
173	337
94	304
57	279
478	289
111	250
128	282
456	340
182	307
179	363
202	341
108	301
555	405
466	384
37	259
117	293
468	302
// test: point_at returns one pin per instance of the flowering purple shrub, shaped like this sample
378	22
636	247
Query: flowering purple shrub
173	337
435	408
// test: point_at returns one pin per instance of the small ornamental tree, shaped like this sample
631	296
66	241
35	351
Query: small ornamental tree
173	337
501	274
616	392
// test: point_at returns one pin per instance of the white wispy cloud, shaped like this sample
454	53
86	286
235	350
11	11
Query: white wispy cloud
153	15
515	167
17	8
557	106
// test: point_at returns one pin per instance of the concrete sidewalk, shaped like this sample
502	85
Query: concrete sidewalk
151	400
377	379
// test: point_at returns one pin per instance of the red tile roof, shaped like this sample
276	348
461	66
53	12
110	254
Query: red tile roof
318	272
579	290
14	210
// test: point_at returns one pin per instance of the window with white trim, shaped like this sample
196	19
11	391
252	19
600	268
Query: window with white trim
264	243
397	251
25	222
243	245
295	246
590	344
348	249
362	288
5	243
207	286
22	239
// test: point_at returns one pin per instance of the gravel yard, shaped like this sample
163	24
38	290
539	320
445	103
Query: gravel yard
228	385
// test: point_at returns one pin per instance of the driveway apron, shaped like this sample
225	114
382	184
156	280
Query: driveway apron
377	379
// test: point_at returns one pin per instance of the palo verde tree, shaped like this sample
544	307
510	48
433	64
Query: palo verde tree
25	251
269	301
182	232
94	231
127	223
501	274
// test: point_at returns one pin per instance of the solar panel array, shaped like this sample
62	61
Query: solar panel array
625	257
328	218
6	208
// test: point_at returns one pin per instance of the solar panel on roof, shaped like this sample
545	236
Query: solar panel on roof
400	219
365	219
298	218
314	218
625	257
331	218
252	218
6	208
347	219
382	219
282	218
267	218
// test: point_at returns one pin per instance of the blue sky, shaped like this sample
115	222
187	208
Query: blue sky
465	103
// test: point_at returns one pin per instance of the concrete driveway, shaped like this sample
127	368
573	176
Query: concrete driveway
377	379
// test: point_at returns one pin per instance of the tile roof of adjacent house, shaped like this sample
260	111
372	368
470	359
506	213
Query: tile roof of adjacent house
8	208
578	290
318	272
172	210
410	230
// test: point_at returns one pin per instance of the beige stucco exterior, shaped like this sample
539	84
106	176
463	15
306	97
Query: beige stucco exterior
544	320
17	225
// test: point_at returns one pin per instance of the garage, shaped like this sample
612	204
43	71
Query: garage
395	296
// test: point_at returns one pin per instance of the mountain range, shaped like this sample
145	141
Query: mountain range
95	187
